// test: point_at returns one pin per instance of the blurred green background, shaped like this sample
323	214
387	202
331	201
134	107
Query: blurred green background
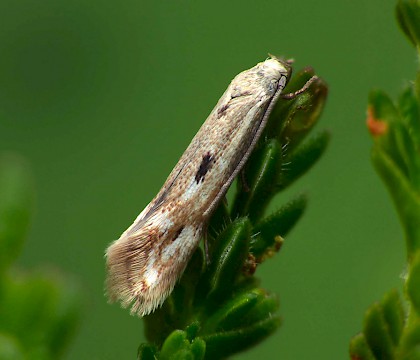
102	98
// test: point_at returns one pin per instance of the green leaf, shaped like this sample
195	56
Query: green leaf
41	310
359	348
293	119
410	157
408	16
303	158
383	107
406	201
270	231
382	111
66	316
377	333
16	196
220	219
264	309
260	176
410	346
394	316
178	347
10	349
410	113
230	315
227	260
413	282
383	328
175	342
147	352
192	330
198	348
223	344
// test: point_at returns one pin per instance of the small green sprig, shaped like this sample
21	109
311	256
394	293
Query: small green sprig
218	309
392	326
39	310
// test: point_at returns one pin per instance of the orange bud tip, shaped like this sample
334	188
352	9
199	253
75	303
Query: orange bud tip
375	126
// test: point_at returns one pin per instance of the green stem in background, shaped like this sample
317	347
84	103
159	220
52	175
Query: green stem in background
218	309
392	327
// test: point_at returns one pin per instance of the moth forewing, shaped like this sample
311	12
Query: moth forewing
143	266
150	256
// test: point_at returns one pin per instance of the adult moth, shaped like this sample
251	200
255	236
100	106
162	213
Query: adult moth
150	256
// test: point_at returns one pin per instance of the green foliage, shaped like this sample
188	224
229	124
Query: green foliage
38	310
218	308
16	199
392	328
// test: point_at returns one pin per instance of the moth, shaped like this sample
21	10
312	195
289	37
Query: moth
145	263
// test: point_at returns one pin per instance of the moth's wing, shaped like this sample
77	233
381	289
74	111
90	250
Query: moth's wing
143	266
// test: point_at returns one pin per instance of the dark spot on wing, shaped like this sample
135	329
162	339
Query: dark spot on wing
238	92
205	166
222	110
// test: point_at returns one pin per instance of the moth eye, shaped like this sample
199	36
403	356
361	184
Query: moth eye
282	82
272	87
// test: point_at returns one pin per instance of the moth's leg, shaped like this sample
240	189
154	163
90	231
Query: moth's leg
301	90
244	183
206	248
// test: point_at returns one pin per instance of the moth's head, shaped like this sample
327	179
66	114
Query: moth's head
275	71
263	80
